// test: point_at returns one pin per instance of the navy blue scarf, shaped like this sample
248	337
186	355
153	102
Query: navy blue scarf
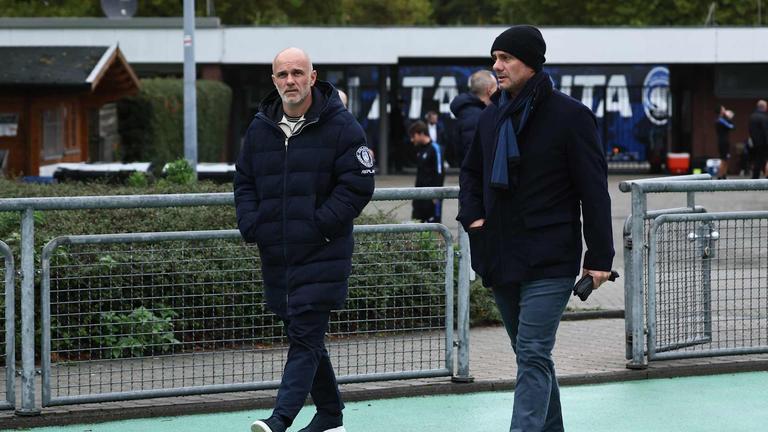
507	151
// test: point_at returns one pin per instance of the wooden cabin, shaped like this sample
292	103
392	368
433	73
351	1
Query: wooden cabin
50	99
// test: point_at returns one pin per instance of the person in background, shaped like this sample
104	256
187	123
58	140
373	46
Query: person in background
434	126
344	98
467	107
758	133
429	172
723	127
437	131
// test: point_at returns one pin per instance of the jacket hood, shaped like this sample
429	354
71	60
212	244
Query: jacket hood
325	103
465	100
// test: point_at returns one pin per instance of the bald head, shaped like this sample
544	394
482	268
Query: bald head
294	55
482	84
343	97
762	105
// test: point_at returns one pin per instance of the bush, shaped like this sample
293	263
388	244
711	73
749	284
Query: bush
137	180
51	224
482	306
168	314
180	172
136	334
151	124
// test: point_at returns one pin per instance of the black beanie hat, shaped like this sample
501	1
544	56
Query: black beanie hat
524	42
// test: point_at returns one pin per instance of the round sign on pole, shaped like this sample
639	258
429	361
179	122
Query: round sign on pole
119	9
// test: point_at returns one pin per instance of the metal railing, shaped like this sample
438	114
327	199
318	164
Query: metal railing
708	285
169	314
165	352
680	301
8	347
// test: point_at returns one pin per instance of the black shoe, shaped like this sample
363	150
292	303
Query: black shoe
325	423
272	424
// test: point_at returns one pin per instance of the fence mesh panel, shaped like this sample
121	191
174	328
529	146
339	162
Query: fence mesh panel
129	317
712	294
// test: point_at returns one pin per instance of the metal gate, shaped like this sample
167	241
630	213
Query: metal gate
708	285
685	296
130	316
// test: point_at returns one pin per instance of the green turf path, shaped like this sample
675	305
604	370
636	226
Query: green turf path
732	403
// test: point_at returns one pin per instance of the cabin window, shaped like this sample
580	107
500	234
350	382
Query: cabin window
54	132
9	124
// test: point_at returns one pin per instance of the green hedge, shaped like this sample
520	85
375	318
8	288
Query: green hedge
86	327
151	124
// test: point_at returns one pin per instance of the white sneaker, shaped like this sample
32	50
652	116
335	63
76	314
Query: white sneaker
260	426
268	425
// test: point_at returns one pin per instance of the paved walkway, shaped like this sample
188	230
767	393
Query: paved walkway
588	351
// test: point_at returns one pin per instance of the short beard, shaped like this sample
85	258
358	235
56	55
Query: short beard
298	102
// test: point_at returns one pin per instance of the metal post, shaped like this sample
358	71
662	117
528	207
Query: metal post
382	155
639	206
691	199
462	374
10	327
707	237
628	291
28	314
190	95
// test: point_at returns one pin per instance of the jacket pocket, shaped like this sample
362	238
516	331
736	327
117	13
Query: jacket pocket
551	244
478	247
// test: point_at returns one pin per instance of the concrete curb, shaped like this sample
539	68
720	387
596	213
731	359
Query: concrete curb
593	314
179	406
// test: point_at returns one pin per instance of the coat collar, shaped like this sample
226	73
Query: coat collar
325	103
540	83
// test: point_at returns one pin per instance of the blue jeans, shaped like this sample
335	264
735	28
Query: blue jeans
308	369
531	312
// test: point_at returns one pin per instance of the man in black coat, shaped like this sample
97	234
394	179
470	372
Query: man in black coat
429	172
304	173
536	165
758	133
467	107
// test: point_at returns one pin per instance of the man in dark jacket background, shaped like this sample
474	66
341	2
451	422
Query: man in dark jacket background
304	173
429	172
758	133
467	107
536	165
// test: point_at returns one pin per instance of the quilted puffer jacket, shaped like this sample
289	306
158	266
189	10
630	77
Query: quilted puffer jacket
297	197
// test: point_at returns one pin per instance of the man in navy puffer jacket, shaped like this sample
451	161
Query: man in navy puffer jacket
304	173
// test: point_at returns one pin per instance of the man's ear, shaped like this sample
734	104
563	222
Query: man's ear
314	77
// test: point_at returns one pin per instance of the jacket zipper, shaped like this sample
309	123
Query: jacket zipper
285	199
285	195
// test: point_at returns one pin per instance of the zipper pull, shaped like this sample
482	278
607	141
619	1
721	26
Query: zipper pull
286	143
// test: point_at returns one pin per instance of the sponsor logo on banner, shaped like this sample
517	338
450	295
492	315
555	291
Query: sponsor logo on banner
656	95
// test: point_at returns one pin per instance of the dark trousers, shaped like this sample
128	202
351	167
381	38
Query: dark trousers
428	210
531	312
308	369
758	166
